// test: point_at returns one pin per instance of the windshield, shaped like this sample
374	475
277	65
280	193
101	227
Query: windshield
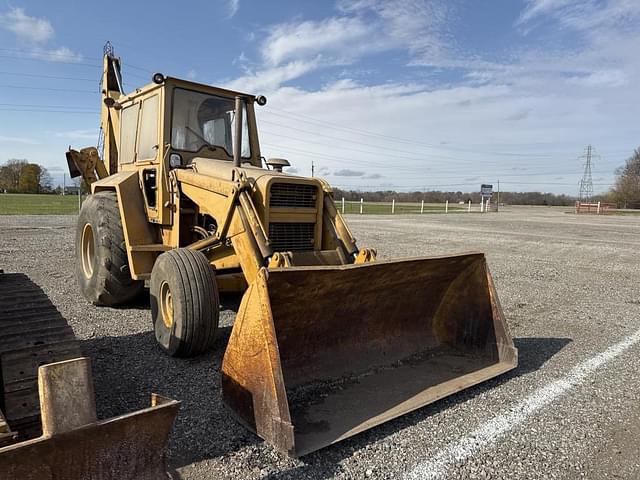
201	120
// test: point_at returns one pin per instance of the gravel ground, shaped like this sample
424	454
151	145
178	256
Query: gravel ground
569	287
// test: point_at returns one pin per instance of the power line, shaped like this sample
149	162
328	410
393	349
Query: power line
31	52
341	128
394	151
355	142
334	126
45	111
71	90
72	107
347	161
38	75
54	57
412	170
35	58
400	157
402	167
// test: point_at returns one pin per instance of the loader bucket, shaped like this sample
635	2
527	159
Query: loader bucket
318	354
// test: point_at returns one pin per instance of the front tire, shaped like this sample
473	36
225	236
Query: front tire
102	266
185	306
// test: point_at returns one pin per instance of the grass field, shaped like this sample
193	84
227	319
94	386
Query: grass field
25	204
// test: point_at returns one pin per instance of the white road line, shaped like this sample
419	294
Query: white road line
437	466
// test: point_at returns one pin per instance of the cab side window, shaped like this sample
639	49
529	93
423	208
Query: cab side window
148	138
128	133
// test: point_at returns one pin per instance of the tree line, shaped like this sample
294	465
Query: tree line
626	191
431	196
22	176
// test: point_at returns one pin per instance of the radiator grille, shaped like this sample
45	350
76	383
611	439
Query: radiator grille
293	195
286	237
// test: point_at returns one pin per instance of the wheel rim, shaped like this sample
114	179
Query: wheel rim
166	305
88	251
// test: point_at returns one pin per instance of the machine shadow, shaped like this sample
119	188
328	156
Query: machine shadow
534	352
128	369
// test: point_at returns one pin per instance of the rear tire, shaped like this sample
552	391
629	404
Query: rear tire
102	266
185	306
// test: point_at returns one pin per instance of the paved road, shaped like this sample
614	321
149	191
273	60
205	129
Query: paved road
570	290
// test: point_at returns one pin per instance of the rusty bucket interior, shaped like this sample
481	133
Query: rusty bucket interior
318	354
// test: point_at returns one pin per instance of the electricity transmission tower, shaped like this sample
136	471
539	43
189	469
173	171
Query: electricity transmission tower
586	184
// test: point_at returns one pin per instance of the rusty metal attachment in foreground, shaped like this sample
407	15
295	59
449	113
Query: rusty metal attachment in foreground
75	445
48	424
318	354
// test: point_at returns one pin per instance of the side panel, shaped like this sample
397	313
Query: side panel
139	234
252	382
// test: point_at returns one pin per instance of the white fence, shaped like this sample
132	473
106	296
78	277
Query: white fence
391	208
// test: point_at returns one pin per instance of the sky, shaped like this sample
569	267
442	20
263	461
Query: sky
377	94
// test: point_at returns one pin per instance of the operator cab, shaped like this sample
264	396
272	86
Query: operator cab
204	123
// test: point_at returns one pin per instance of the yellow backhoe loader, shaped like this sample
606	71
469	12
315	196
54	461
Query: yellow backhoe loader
49	429
327	341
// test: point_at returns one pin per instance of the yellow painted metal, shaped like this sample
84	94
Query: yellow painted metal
166	305
323	326
366	255
87	245
88	164
137	230
318	354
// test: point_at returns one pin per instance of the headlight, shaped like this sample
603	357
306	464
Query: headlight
175	160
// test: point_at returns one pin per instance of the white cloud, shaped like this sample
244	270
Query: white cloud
603	78
242	60
535	8
584	15
268	79
62	54
454	133
232	7
36	34
26	28
522	113
335	37
362	28
346	172
419	25
518	114
20	140
89	134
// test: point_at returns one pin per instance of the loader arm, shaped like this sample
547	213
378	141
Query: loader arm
243	226
240	225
